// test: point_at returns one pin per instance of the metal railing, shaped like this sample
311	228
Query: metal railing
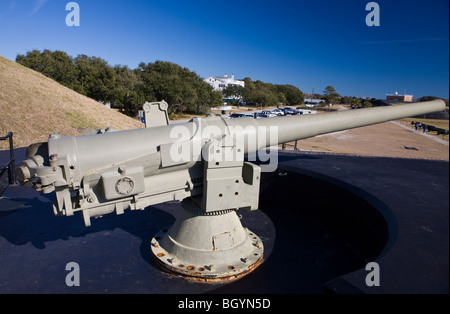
11	165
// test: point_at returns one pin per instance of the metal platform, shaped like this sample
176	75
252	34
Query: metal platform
322	218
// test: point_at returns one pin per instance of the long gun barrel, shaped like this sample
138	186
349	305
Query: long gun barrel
201	162
291	128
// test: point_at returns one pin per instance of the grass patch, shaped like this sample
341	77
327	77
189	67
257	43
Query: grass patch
442	124
79	120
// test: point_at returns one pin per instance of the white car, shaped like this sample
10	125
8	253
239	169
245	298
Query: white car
268	114
278	112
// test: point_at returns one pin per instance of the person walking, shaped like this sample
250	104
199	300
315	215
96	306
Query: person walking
424	127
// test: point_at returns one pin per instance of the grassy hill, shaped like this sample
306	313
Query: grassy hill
34	106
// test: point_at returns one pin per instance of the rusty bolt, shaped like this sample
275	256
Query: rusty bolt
209	267
257	244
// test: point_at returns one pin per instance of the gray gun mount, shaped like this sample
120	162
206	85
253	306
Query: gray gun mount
200	163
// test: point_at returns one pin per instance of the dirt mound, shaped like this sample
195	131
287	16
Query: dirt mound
34	106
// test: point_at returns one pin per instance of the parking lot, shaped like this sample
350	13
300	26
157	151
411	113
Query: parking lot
270	113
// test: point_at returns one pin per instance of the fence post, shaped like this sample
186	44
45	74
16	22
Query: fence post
12	165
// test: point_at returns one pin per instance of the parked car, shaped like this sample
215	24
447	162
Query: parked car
289	111
268	114
237	115
303	111
258	115
240	115
278	112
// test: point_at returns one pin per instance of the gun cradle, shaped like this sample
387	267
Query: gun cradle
133	183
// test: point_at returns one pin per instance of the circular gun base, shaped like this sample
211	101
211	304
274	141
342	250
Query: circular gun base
207	249
206	272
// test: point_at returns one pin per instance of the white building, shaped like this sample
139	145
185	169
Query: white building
219	83
311	103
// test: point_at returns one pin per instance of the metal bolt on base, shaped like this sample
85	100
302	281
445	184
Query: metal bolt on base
207	248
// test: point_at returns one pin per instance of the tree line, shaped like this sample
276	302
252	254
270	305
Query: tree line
264	94
357	103
124	88
128	89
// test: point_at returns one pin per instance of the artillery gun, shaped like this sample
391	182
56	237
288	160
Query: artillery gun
200	163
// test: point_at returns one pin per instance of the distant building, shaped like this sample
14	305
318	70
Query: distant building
393	98
312	102
220	83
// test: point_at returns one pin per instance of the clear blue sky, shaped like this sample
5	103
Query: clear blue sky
309	44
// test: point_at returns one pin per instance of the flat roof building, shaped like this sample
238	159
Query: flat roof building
312	102
393	98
